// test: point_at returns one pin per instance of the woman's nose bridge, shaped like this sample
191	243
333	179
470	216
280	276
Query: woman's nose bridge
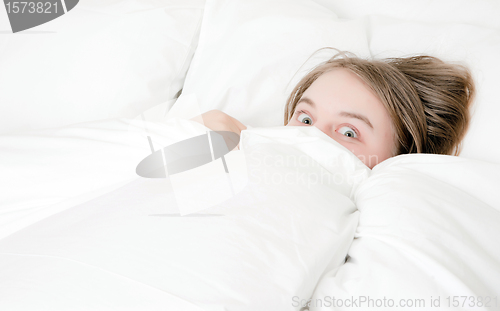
325	127
328	128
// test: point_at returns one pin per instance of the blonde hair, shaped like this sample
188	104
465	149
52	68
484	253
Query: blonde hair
427	99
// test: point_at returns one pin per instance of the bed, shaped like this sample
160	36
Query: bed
292	220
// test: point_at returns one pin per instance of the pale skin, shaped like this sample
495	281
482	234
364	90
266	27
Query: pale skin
343	107
217	120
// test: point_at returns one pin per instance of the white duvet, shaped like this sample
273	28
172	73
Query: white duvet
81	231
427	239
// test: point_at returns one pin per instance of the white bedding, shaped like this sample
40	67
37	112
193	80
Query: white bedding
80	230
267	247
270	242
104	59
427	231
47	171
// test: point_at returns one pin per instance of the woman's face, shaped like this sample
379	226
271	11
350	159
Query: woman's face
341	105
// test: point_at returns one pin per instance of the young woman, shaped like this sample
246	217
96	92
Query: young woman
379	108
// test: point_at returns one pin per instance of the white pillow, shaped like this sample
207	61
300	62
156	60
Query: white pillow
474	46
478	12
103	59
251	53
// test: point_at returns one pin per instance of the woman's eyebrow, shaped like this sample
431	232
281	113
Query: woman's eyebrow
356	116
306	100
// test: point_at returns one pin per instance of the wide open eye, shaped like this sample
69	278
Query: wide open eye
348	131
304	118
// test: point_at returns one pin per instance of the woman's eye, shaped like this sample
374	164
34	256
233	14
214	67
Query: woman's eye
304	118
347	131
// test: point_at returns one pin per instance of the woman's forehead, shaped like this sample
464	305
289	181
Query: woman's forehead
342	89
